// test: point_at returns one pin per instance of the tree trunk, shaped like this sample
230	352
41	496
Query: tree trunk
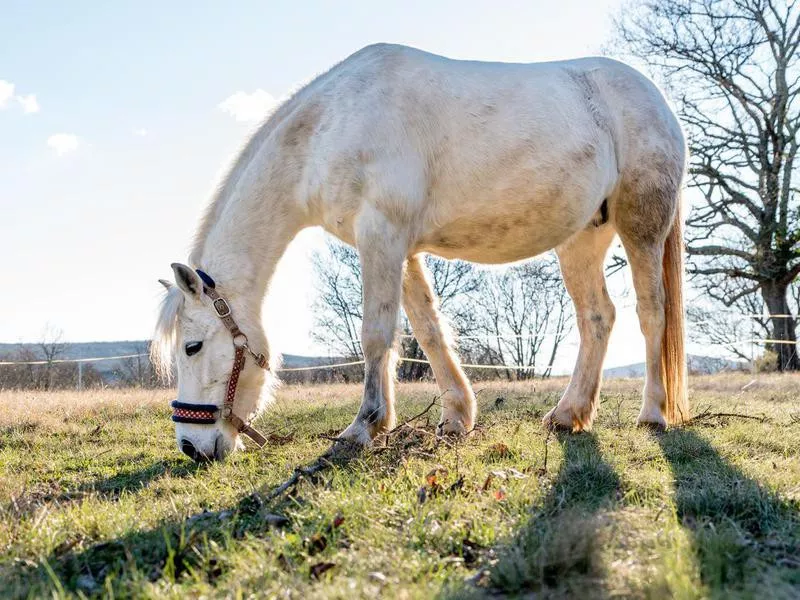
783	328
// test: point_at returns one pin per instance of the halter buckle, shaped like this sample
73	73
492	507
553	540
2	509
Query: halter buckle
222	308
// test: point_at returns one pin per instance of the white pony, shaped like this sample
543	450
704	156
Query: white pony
400	152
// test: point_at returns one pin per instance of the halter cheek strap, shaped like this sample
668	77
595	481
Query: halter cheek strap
204	414
230	396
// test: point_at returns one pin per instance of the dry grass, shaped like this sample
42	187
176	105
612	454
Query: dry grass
95	500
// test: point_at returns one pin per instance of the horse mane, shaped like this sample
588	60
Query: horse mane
165	337
162	348
243	159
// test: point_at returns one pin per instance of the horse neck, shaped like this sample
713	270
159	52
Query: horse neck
249	236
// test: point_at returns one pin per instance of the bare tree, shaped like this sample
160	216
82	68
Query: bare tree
525	314
138	371
732	68
739	329
51	347
527	302
337	308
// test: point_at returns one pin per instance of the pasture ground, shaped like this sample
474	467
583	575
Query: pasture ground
96	500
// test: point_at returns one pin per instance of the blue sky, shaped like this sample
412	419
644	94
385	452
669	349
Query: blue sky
141	106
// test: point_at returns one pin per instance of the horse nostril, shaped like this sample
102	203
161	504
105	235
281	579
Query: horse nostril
189	450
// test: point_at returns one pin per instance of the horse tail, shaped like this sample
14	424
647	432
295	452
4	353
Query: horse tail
673	351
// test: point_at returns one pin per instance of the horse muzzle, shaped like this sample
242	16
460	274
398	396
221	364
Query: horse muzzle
217	452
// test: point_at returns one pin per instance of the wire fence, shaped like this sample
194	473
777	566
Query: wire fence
541	368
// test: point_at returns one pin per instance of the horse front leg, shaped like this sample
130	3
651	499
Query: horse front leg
382	250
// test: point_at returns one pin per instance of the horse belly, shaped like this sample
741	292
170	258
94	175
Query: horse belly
497	240
513	224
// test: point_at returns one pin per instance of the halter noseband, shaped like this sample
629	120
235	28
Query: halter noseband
205	414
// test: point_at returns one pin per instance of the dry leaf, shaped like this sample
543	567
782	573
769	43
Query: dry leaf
318	569
500	494
500	449
457	484
431	477
316	543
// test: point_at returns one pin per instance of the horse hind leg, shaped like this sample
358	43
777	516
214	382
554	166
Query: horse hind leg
581	259
430	329
648	220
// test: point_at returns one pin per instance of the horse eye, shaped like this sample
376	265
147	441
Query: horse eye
193	348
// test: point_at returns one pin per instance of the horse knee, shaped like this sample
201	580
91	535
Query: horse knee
598	320
376	340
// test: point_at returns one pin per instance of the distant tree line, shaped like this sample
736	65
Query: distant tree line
53	373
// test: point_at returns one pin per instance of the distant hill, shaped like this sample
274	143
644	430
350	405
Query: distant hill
109	369
705	365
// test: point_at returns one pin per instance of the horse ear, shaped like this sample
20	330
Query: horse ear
187	279
167	284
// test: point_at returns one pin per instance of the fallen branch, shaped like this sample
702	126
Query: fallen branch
710	415
341	450
322	463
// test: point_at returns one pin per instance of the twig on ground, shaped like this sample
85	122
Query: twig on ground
322	463
546	445
415	417
709	415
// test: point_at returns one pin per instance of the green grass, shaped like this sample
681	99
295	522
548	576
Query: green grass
96	500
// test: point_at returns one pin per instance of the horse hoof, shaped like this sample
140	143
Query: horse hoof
451	428
557	421
355	436
655	427
652	419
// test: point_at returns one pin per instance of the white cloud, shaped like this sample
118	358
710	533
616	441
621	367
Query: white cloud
29	103
140	132
63	143
249	107
6	92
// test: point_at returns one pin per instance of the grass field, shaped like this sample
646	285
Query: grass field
96	500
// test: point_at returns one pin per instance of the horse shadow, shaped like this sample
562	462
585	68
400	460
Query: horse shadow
112	487
742	533
108	488
554	552
169	548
